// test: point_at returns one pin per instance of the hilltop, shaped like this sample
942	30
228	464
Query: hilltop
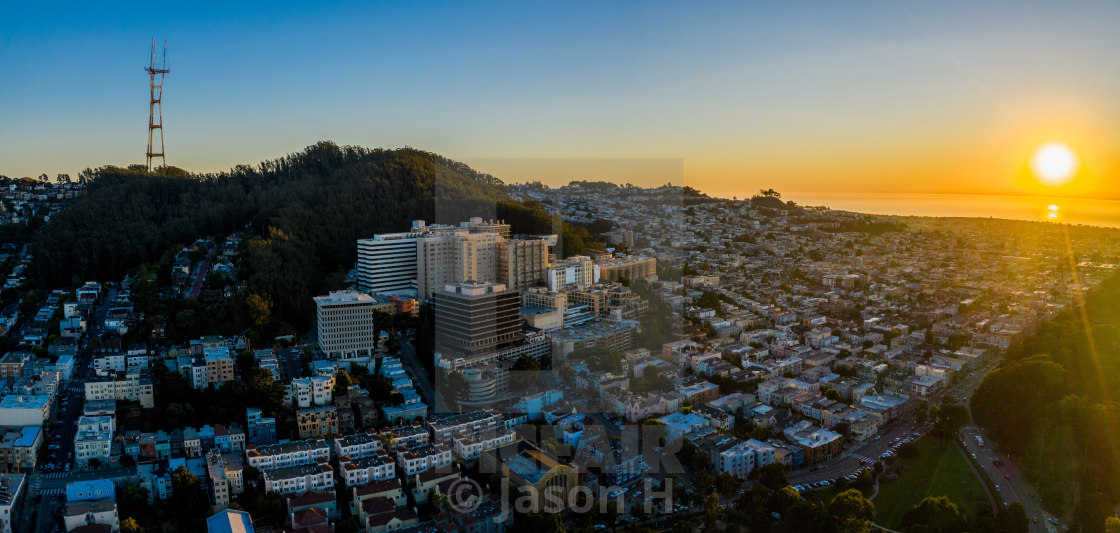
306	211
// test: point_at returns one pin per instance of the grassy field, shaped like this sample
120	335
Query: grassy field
938	469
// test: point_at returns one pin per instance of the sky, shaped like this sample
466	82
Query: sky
729	98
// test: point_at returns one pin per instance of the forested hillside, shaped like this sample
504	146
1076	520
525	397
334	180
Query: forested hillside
305	210
1052	402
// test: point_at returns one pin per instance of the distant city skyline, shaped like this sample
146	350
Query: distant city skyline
858	97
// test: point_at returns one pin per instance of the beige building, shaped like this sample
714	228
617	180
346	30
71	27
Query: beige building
522	263
317	422
628	267
219	366
455	257
344	324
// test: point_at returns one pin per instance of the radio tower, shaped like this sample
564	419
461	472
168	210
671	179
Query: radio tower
155	112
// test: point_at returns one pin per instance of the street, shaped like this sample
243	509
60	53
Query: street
1007	478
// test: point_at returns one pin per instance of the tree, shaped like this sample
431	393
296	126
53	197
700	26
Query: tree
713	511
1013	519
129	525
134	501
933	515
1092	511
1112	525
865	481
260	308
342	381
832	394
773	476
805	516
853	513
188	499
951	417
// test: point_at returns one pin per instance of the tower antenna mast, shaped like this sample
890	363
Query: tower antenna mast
155	111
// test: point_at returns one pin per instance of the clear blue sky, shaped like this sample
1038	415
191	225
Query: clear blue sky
800	96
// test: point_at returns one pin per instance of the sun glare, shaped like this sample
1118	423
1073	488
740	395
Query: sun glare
1054	163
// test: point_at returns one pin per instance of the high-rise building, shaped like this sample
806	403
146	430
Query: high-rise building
344	321
452	257
474	317
522	263
387	261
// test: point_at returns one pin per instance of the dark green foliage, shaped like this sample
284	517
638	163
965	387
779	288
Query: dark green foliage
1012	519
773	476
307	209
851	511
933	515
178	404
1058	411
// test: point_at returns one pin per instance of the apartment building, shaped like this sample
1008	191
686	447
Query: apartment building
131	387
317	422
472	446
359	445
288	453
313	391
472	423
93	440
416	459
362	470
25	409
299	478
219	366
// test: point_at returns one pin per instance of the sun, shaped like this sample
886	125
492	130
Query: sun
1054	163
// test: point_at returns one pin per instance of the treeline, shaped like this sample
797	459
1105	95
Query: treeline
305	212
870	227
1052	403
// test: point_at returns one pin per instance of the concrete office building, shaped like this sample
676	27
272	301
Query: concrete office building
522	264
476	317
628	267
578	271
344	322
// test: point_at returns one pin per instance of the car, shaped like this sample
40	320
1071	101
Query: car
997	488
1006	476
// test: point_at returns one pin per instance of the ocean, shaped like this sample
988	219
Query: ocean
1104	213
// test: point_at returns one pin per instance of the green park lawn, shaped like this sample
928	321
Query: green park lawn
938	469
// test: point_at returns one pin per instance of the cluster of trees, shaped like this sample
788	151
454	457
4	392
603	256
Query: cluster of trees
870	227
937	514
178	404
1058	412
305	210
